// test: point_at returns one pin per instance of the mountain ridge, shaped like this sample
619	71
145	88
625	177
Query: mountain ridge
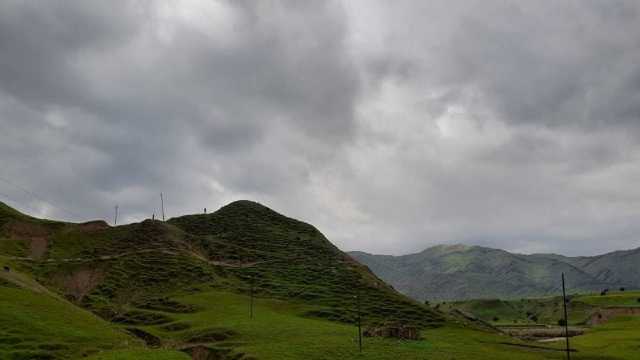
459	272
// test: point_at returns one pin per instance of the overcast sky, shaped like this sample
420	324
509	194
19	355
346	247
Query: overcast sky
392	126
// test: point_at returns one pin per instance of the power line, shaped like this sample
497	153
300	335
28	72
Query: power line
38	197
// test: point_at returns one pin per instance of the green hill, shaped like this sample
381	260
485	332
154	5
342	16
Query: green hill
583	309
470	272
129	274
182	288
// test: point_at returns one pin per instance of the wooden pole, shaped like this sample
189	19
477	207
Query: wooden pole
162	205
251	299
359	320
566	318
115	218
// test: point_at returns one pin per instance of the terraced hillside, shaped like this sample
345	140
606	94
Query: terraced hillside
128	274
606	323
183	289
583	309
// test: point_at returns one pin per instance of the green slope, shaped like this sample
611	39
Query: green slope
38	325
127	274
156	290
545	310
470	272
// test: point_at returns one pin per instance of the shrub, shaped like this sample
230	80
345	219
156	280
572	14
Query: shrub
621	289
496	319
561	322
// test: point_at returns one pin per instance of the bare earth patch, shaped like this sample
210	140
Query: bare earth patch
605	314
38	246
35	235
93	226
82	282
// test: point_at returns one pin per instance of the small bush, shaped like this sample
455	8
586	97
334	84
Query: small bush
496	319
561	322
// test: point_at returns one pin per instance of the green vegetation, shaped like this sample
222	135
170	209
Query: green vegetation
617	339
167	290
475	272
280	330
140	354
38	326
543	310
626	298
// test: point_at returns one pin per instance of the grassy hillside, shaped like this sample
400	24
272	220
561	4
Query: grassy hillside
37	324
581	307
472	272
181	289
127	274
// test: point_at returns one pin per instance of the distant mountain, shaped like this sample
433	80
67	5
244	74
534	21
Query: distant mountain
460	272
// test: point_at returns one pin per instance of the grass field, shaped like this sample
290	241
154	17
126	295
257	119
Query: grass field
39	326
165	291
542	310
36	326
617	339
618	298
280	331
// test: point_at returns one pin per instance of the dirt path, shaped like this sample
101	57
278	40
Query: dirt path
164	251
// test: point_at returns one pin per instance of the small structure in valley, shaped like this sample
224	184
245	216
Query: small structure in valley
393	330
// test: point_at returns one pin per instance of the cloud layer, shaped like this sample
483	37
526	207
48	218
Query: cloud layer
391	126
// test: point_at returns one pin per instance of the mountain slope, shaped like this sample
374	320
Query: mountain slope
183	288
466	272
134	275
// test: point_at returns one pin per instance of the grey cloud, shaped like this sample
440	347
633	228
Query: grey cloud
138	114
392	126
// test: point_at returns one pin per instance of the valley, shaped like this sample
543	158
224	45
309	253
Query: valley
243	282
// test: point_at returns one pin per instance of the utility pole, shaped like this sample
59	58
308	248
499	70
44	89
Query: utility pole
566	320
251	298
115	218
162	205
359	317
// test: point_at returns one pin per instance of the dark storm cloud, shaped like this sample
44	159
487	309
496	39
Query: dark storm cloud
392	126
114	102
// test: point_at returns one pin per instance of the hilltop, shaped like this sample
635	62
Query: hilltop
242	283
461	272
132	274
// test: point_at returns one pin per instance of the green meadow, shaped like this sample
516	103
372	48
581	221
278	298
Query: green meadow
181	290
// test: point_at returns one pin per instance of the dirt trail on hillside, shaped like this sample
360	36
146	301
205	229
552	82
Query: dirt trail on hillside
25	282
128	253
